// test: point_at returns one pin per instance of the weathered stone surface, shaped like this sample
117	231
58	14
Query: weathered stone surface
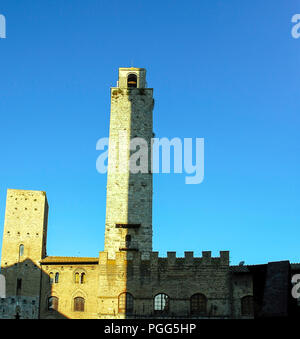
277	290
129	195
25	225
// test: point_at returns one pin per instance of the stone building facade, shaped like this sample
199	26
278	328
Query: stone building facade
127	279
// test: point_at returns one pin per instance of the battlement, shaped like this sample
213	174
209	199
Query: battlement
153	259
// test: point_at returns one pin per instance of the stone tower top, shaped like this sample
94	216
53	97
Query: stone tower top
132	77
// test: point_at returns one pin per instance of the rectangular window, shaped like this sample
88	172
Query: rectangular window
128	225
19	286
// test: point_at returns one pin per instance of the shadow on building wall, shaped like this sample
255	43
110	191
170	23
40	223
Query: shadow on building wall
162	287
272	288
25	297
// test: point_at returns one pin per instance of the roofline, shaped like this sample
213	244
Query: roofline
69	260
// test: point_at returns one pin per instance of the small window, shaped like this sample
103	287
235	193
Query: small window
18	311
161	303
198	304
52	303
132	80
79	304
21	251
128	240
82	278
19	286
247	306
56	277
126	303
51	278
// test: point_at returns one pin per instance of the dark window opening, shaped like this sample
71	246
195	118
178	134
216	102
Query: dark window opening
127	240
247	306
126	303
128	225
132	80
56	278
79	304
198	304
19	286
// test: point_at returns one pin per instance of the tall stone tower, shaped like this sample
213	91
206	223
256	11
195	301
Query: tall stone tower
128	225
24	244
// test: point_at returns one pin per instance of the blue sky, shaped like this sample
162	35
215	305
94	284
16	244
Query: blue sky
226	71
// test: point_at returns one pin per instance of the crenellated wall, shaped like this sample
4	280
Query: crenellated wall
179	278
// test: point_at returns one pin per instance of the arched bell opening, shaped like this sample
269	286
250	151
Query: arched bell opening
132	81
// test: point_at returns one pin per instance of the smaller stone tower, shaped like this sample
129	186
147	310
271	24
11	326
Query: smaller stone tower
24	244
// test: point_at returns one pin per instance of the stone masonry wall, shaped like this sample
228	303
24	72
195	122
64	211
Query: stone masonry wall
179	278
66	289
26	225
129	196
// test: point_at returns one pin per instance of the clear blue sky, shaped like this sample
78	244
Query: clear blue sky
226	71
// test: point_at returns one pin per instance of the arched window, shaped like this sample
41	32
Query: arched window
198	304
132	80
125	303
21	250
76	278
51	278
82	278
161	303
247	305
56	277
52	303
79	304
